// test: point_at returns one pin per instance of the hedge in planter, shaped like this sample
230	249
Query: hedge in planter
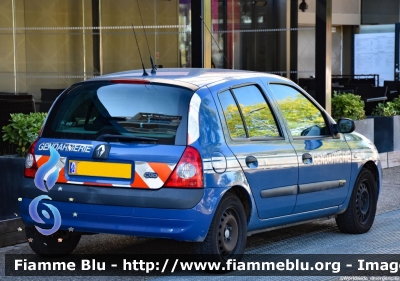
351	106
347	105
387	126
23	130
391	108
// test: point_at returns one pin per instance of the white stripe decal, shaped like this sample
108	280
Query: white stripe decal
143	167
193	119
37	157
121	185
171	166
207	166
61	162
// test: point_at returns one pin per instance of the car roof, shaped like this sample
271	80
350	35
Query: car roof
192	78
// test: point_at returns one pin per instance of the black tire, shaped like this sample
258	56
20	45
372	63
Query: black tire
49	245
227	236
360	214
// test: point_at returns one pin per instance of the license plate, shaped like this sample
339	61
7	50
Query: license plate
100	169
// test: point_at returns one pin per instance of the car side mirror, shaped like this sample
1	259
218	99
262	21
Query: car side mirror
346	125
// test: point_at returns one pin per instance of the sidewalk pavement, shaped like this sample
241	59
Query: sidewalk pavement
389	198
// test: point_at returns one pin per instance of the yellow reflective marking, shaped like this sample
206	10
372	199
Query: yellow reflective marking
101	169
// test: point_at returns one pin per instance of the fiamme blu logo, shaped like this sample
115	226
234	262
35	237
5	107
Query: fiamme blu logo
45	179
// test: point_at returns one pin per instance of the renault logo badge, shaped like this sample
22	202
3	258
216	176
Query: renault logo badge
101	151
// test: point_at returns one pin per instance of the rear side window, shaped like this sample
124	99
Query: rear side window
232	115
247	113
93	110
256	112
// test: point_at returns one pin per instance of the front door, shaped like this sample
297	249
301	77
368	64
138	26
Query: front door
324	159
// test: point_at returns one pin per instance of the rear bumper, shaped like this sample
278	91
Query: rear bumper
163	198
190	224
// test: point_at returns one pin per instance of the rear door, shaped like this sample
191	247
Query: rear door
128	135
324	159
265	155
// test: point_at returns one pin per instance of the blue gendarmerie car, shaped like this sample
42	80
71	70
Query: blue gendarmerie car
202	155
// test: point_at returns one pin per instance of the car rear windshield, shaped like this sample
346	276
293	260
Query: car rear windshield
121	112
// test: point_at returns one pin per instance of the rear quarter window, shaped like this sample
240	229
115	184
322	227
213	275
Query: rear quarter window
91	110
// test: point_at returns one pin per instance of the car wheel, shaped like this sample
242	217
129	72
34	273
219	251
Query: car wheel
60	243
360	214
226	238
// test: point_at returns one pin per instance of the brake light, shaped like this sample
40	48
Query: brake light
129	81
188	173
31	166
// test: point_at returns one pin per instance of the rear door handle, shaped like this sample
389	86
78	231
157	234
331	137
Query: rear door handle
307	158
251	162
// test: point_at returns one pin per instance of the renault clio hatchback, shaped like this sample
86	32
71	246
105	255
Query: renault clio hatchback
203	155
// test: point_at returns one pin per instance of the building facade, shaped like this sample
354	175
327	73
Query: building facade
50	44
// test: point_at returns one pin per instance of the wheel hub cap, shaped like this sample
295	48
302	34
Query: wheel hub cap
228	233
363	202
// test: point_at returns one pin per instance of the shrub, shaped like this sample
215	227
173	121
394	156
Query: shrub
23	130
347	105
391	108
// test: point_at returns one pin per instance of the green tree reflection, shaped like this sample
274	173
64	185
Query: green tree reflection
300	114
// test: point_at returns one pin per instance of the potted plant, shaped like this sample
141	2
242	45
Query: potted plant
351	106
387	126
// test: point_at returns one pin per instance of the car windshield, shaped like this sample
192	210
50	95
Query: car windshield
121	112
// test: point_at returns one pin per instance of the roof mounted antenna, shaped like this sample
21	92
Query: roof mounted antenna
137	44
153	68
216	43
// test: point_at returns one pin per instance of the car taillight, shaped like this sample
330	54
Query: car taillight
188	173
30	162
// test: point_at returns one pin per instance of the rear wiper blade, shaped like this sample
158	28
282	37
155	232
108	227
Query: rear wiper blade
123	138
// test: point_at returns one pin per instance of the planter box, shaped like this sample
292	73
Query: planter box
11	175
365	127
9	234
387	133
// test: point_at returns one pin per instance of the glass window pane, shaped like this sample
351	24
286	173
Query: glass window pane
302	117
257	114
99	108
7	82
247	33
54	44
232	115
